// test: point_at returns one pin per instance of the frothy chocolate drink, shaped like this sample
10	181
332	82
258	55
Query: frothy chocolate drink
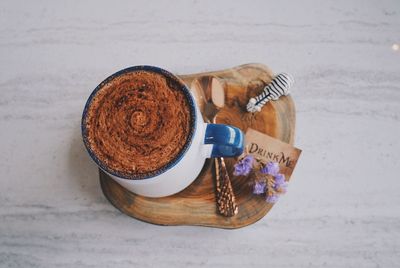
137	123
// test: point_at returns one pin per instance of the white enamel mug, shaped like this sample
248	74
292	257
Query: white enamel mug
205	141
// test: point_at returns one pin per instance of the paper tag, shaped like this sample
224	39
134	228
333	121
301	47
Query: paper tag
270	149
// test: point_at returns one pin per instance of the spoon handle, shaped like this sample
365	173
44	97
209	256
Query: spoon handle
226	202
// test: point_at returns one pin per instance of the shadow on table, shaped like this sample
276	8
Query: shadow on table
83	170
84	174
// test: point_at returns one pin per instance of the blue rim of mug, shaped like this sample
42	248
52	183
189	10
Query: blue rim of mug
173	162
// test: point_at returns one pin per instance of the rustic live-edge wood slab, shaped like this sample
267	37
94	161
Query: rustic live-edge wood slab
196	204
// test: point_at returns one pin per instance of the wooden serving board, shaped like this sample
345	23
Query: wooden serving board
196	204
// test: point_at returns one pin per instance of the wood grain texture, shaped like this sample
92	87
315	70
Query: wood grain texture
196	204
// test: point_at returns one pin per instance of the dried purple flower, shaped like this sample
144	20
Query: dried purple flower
279	180
248	160
276	182
259	187
244	166
272	168
241	169
273	183
272	198
283	187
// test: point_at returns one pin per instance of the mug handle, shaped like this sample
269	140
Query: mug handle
227	140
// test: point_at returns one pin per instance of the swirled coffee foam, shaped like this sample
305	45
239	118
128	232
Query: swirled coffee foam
137	123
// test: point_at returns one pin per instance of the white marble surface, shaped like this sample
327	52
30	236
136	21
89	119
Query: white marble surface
343	204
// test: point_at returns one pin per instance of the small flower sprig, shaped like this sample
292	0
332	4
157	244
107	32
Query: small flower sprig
266	176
